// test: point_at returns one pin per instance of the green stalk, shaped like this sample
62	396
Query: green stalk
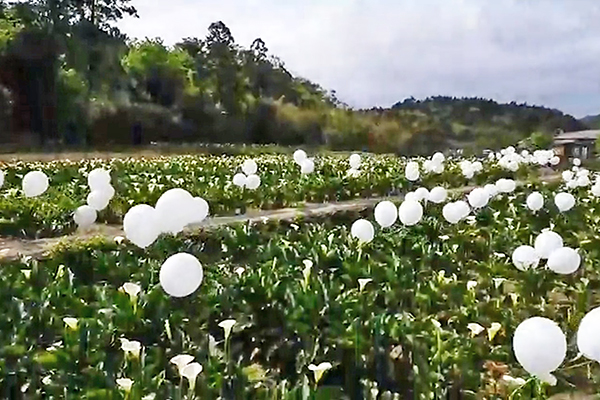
517	390
180	392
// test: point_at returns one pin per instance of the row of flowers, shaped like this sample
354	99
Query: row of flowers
44	203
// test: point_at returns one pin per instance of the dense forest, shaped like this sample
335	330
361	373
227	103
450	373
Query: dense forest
69	77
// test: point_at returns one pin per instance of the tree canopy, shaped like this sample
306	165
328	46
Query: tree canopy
103	86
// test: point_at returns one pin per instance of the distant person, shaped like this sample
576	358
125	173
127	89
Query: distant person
137	134
71	137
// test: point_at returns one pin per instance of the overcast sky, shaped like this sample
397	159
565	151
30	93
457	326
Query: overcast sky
377	52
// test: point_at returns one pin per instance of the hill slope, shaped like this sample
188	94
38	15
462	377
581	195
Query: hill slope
484	123
591	121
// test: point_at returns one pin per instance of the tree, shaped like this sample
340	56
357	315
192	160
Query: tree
10	26
192	46
541	140
259	50
57	16
159	73
222	62
60	35
219	35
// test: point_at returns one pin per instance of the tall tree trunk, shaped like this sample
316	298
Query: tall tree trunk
50	89
93	12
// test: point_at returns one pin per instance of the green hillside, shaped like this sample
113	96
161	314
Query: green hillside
481	122
591	121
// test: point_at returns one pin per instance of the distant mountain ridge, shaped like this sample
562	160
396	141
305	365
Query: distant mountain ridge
480	104
474	122
591	121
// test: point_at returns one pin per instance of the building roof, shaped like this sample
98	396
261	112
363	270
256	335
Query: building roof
569	137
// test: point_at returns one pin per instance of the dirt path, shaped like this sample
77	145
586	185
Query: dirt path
13	248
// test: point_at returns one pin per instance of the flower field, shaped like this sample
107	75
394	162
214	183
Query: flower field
317	308
144	180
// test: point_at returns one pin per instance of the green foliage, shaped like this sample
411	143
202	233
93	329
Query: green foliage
73	84
59	16
113	124
10	26
488	124
161	73
148	54
72	92
55	37
539	141
346	130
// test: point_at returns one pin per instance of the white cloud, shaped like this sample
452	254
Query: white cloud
376	52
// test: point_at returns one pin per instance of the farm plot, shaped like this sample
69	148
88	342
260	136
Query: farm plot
352	305
281	184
